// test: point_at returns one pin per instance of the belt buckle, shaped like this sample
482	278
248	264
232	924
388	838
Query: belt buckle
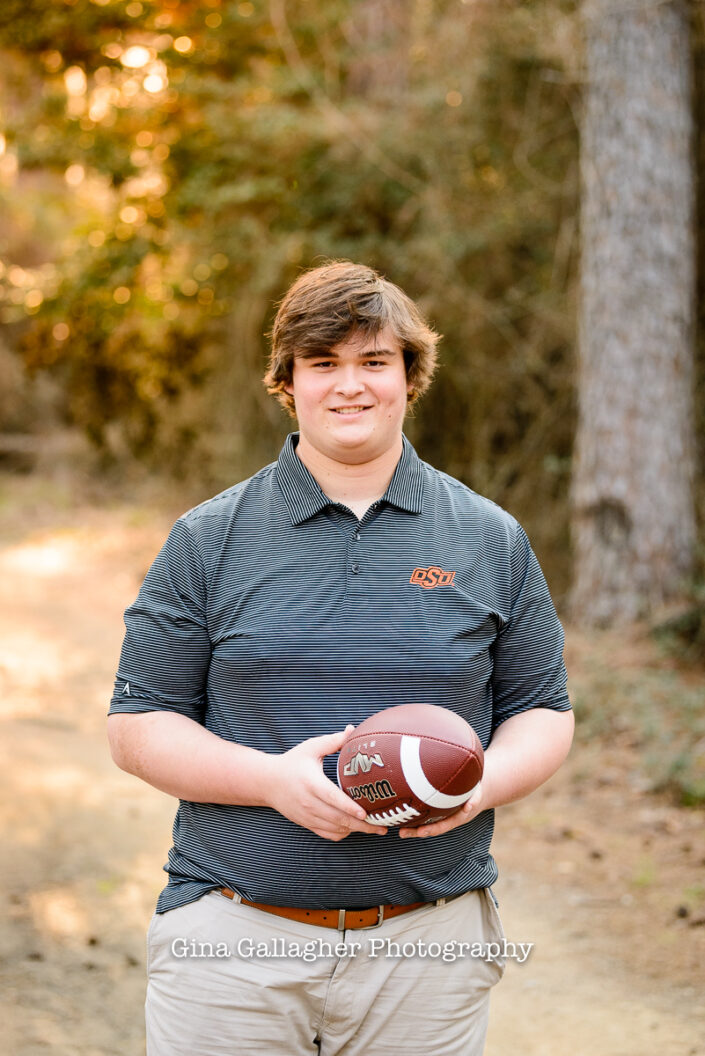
380	919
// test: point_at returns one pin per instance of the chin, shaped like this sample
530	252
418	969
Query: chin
349	438
349	442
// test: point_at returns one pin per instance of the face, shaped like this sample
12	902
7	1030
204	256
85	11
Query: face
351	401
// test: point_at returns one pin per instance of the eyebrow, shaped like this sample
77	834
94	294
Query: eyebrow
366	354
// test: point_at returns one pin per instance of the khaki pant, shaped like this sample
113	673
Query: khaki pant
226	978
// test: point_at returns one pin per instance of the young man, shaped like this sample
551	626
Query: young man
278	614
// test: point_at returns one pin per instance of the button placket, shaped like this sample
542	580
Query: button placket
353	554
355	564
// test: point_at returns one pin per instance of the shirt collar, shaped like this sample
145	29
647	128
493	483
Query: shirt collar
304	496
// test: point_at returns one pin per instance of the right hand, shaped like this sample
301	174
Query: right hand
302	793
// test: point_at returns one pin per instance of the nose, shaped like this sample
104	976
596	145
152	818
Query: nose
349	380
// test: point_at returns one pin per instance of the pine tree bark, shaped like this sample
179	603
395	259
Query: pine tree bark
632	495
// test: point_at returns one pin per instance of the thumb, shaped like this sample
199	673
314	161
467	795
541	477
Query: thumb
328	743
470	804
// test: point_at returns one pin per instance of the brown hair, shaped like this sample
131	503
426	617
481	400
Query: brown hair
327	304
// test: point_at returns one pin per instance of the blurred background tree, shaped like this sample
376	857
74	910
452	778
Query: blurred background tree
170	166
633	508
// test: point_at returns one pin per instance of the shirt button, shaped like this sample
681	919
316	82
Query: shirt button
355	568
356	536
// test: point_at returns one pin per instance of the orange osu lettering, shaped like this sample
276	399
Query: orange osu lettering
431	577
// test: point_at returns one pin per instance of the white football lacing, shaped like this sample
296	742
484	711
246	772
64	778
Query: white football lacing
398	816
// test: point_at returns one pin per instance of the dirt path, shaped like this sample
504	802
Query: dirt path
615	971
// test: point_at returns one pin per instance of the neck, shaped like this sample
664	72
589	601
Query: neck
353	484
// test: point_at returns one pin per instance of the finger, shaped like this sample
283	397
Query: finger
437	828
352	821
338	800
328	743
335	835
319	798
371	830
423	831
331	828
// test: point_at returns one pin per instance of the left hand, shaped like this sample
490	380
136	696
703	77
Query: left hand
469	810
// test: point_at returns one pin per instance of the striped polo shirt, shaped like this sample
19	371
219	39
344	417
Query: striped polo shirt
272	615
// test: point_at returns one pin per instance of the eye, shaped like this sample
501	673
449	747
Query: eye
375	362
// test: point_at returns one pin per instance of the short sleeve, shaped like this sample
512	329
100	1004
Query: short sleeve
528	671
166	651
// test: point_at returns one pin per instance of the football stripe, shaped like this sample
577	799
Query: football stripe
410	756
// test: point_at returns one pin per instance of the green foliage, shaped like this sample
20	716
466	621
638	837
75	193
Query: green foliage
683	634
250	140
655	712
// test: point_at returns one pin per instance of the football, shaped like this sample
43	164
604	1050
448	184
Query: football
411	765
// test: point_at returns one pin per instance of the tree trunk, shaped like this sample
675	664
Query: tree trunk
378	30
633	509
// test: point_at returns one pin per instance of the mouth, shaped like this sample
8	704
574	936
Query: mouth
350	410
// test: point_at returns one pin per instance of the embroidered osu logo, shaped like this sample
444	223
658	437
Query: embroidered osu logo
432	577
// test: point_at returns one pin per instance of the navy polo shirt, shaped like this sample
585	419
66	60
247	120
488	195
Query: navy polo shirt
272	615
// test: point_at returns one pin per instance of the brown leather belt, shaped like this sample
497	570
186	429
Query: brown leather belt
335	918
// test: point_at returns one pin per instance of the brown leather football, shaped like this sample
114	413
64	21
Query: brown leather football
410	765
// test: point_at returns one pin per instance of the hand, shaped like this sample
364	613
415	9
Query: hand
470	809
302	793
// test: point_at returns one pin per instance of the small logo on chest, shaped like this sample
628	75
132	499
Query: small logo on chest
431	577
